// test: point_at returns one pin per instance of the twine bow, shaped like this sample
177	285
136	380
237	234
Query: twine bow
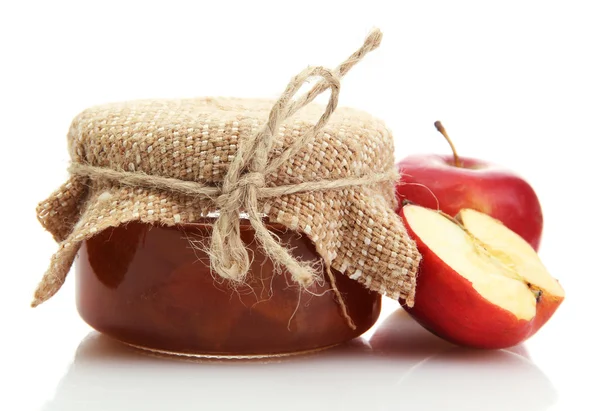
246	174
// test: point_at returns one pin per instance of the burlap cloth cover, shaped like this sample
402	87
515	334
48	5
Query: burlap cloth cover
194	141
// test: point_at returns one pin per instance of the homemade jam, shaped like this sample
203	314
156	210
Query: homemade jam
151	287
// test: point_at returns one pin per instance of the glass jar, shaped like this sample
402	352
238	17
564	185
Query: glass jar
151	287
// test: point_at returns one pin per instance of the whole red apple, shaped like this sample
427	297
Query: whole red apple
479	284
451	183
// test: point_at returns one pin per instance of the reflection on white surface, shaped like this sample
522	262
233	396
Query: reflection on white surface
454	378
106	375
401	367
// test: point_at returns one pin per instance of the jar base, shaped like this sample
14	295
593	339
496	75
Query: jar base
175	354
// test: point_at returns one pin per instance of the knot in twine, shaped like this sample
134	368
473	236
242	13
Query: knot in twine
241	188
231	196
245	181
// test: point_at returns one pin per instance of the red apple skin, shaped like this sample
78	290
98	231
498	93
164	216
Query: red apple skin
434	181
447	305
546	307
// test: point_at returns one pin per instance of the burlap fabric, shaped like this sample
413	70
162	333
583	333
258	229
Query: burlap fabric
194	141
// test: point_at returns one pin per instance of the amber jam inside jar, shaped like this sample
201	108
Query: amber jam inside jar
148	286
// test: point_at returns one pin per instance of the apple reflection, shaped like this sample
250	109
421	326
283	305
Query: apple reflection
453	378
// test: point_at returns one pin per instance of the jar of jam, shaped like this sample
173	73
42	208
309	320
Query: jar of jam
154	270
151	287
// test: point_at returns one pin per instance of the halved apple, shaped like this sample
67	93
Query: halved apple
479	283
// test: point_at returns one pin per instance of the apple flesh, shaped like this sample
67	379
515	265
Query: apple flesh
479	283
435	181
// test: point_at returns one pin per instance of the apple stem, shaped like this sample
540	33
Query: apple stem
438	125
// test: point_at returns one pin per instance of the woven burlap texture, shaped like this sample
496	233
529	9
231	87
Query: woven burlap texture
175	161
355	229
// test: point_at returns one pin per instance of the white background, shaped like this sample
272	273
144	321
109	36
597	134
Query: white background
515	82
